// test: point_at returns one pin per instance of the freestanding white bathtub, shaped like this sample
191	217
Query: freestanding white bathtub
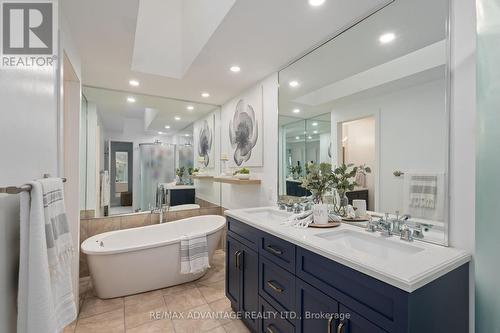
135	260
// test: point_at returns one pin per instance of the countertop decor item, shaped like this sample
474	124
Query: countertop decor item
327	225
344	177
319	180
362	218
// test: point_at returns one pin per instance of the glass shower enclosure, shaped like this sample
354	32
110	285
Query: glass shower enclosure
157	165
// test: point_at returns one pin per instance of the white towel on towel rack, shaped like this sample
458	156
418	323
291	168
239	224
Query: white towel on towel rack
46	302
424	195
194	254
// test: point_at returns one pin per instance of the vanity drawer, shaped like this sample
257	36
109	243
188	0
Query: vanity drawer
273	321
244	233
276	285
379	302
278	251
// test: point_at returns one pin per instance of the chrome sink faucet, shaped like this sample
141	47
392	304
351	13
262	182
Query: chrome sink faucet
395	226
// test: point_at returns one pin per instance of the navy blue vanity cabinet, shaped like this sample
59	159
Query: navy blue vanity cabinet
242	281
309	293
316	310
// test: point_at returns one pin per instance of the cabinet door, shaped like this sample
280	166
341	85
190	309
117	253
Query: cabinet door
318	311
351	322
234	253
249	301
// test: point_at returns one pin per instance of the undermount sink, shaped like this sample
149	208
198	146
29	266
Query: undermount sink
268	214
370	245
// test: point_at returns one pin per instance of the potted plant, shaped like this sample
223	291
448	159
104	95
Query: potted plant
344	178
180	173
320	180
242	173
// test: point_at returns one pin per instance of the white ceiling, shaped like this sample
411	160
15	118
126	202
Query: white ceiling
260	36
114	110
356	64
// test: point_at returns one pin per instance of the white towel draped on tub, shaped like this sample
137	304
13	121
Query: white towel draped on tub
46	303
194	254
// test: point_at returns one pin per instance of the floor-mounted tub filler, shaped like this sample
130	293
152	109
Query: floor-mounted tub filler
136	260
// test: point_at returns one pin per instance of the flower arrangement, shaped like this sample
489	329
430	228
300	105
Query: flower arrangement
320	180
296	171
180	171
344	176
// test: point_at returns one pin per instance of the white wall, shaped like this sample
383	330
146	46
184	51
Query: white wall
242	196
31	135
69	127
463	131
400	118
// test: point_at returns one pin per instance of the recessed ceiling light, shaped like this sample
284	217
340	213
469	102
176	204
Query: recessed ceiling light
186	134
133	83
387	38
235	69
177	118
190	107
293	84
205	95
316	3
315	124
297	138
296	110
309	137
131	99
315	132
161	133
167	126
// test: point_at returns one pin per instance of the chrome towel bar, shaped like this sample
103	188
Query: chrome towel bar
19	189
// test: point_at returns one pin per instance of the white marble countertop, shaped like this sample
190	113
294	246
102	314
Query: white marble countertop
429	263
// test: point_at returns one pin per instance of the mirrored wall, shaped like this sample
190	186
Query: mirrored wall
147	154
375	96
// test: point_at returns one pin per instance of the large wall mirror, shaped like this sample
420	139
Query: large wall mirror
145	154
376	95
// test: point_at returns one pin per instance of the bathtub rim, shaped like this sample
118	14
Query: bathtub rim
99	252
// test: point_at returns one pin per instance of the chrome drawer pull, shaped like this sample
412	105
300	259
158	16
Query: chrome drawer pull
275	287
237	259
341	327
269	329
330	321
273	250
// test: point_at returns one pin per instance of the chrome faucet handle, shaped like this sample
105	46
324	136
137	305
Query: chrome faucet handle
297	208
406	233
417	231
371	226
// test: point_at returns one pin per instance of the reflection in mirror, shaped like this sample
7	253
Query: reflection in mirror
143	155
376	96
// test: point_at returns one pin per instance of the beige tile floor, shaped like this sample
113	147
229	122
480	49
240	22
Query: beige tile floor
132	314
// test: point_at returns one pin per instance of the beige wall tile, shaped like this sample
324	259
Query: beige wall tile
104	224
135	220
